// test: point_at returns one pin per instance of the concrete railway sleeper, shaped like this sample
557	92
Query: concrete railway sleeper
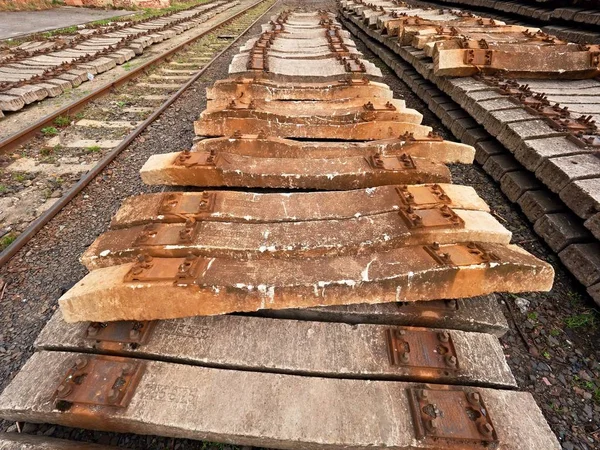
360	314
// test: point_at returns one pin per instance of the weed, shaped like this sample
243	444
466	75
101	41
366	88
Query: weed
555	407
93	149
574	298
3	189
126	66
533	316
586	319
46	151
79	116
19	177
121	104
62	121
554	332
49	131
6	240
546	355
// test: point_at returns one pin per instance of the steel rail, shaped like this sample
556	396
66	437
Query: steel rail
26	133
42	220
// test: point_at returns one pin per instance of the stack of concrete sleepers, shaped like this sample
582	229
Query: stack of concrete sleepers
536	137
575	20
377	236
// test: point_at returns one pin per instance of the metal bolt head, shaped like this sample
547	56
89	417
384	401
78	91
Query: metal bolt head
404	357
80	363
400	333
127	369
486	429
451	360
444	336
63	390
134	334
474	398
113	395
92	331
432	425
422	394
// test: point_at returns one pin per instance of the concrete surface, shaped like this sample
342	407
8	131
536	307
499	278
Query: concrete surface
21	23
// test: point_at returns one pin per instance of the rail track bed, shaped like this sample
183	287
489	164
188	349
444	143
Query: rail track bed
342	233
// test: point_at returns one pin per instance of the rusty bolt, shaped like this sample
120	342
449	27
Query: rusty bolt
451	360
113	395
432	425
422	394
127	368
443	336
134	334
81	362
486	429
405	357
63	390
436	245
474	398
400	333
92	331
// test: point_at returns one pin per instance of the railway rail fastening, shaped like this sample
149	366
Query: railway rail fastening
322	208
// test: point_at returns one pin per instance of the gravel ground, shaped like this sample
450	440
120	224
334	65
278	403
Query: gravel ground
550	347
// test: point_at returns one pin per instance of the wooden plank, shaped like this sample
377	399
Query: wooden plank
263	409
432	148
481	314
210	286
253	207
298	347
313	238
226	169
13	441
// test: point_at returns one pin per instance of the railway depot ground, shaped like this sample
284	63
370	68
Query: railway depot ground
548	347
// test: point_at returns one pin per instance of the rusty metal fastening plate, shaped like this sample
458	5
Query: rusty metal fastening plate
99	381
458	419
122	332
423	352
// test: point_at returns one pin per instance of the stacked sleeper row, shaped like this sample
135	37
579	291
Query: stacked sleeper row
548	125
381	223
462	44
553	11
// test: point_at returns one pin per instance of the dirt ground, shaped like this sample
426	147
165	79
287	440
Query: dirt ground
552	346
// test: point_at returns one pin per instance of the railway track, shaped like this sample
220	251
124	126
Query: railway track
99	126
545	163
36	70
364	227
